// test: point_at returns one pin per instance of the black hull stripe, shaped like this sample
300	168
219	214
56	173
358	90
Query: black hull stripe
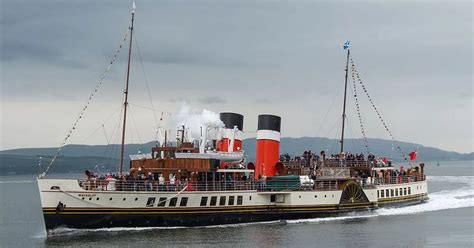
216	208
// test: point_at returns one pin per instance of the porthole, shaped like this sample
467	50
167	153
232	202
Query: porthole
325	196
110	198
97	198
82	198
136	199
299	197
315	196
124	199
250	198
332	196
90	198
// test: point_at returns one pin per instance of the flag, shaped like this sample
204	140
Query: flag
412	155
346	45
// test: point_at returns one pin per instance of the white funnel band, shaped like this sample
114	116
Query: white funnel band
268	135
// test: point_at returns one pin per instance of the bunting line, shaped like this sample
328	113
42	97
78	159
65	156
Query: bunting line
358	108
86	105
356	72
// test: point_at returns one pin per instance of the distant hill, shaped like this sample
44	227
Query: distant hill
21	164
77	158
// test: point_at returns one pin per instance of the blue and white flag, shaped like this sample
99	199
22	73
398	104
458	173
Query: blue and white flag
346	45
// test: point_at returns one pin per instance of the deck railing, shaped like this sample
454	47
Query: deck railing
249	185
399	179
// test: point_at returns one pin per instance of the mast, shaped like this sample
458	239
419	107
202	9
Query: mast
125	103
346	47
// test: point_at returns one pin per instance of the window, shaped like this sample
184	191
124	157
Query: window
405	191
401	192
231	200
150	202
222	201
54	188
161	202
239	200
378	194
173	202
272	198
387	193
392	193
396	192
382	193
184	202
409	190
203	201
250	197
213	200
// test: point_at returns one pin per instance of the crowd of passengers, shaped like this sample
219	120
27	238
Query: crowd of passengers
308	158
157	182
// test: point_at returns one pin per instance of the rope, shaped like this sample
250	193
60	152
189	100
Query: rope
148	90
356	72
84	108
356	98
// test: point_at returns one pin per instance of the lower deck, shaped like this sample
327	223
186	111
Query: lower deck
75	207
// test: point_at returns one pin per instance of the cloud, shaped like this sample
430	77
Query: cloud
211	100
280	57
262	101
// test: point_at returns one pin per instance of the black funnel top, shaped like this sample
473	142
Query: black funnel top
232	119
269	122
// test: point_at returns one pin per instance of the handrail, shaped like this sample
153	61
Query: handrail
399	179
96	184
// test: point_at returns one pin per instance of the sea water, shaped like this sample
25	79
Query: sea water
446	220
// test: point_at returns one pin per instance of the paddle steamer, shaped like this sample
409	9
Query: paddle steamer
209	182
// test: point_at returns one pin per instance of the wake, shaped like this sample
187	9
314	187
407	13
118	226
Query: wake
462	197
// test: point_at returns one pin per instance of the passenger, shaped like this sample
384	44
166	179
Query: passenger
161	183
172	183
149	182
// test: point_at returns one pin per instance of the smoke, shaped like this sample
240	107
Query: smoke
193	119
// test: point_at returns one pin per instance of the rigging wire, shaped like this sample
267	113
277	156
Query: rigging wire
86	105
327	112
148	89
137	130
349	130
110	151
103	123
105	134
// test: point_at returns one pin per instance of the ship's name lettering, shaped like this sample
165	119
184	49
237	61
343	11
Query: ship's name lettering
86	195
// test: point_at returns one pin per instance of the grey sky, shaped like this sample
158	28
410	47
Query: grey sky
251	57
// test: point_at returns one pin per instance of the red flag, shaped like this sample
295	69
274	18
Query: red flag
412	155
